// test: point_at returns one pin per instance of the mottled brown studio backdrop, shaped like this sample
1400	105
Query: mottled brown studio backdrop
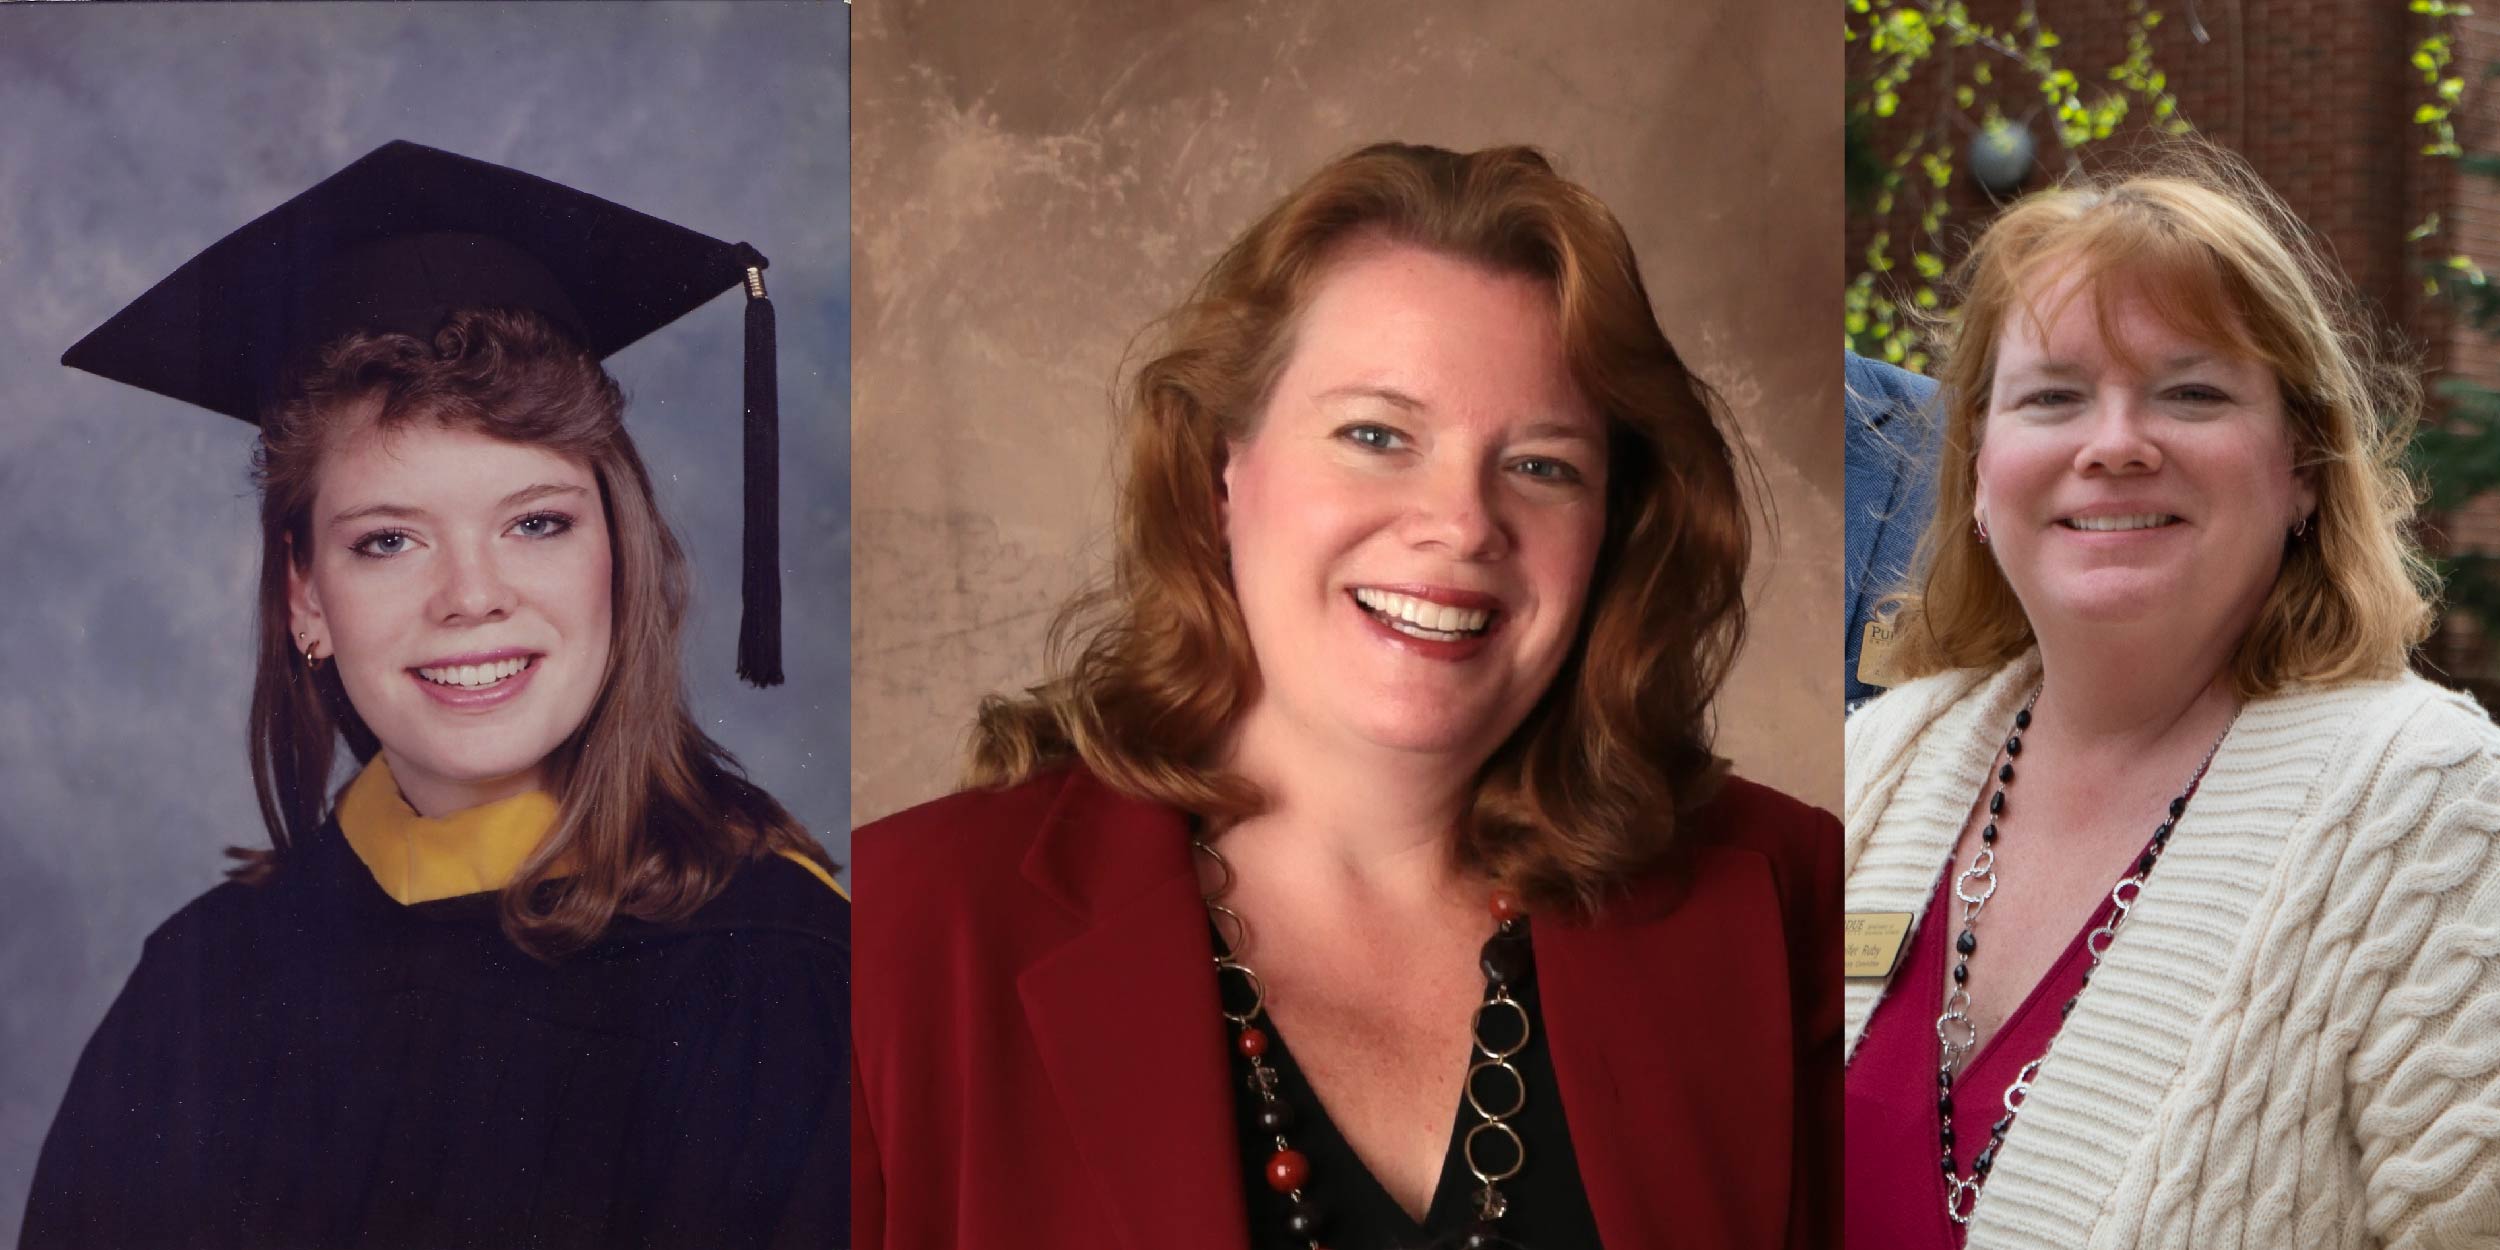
1032	184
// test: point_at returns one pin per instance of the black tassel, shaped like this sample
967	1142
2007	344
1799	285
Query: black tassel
759	626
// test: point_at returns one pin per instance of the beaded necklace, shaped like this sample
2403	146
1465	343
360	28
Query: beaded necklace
1956	1033
1507	964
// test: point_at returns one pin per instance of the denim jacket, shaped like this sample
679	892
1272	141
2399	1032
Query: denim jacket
1890	463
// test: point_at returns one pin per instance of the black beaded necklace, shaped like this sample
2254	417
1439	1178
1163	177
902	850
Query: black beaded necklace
1507	964
1974	887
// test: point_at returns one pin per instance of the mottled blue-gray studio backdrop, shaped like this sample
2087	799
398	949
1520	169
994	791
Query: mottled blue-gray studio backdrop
138	135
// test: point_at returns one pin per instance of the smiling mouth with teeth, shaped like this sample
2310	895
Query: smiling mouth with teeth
1422	618
477	676
2107	524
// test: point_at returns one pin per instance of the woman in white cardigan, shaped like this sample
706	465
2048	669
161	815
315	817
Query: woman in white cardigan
2174	898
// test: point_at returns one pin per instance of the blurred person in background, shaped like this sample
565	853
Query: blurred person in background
1888	440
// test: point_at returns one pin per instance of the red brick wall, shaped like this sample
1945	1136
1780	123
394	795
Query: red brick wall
2471	224
2316	94
2472	218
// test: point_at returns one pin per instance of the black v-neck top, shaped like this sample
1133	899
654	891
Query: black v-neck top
1548	1208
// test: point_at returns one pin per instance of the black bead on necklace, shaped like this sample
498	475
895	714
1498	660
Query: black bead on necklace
1496	1090
1956	1033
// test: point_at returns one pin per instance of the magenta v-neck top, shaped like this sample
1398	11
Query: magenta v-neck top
1895	1169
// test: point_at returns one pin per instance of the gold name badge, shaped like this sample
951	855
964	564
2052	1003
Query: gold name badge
1882	653
1872	942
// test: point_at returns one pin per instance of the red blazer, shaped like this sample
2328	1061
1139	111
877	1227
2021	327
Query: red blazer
1038	1063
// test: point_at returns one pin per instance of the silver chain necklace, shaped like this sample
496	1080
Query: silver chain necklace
1507	965
1957	1034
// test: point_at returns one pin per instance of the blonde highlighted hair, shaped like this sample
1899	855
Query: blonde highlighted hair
2223	262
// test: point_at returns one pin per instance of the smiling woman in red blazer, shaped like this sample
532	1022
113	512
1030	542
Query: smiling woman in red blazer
1366	878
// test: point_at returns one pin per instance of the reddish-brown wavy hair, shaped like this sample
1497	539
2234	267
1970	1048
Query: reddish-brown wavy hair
1155	666
654	816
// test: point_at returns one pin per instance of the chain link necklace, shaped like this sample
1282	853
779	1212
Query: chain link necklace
1506	962
1956	1033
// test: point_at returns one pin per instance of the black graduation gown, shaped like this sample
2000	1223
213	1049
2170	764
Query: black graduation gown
307	1062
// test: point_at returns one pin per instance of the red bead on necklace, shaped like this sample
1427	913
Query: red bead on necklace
1286	1170
1507	963
1506	906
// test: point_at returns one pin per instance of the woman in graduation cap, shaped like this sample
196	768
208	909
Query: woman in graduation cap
1366	877
549	970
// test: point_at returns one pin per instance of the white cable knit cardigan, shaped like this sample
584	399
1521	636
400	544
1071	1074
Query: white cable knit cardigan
2295	1041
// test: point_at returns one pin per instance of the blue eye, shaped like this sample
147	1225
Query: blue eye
381	544
1375	437
543	525
1546	469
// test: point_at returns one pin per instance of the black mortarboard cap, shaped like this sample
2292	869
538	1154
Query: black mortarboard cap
408	235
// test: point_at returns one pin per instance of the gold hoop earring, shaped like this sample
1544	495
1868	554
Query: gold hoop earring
311	662
1980	528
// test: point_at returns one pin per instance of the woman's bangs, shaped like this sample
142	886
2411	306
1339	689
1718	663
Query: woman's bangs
2121	262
